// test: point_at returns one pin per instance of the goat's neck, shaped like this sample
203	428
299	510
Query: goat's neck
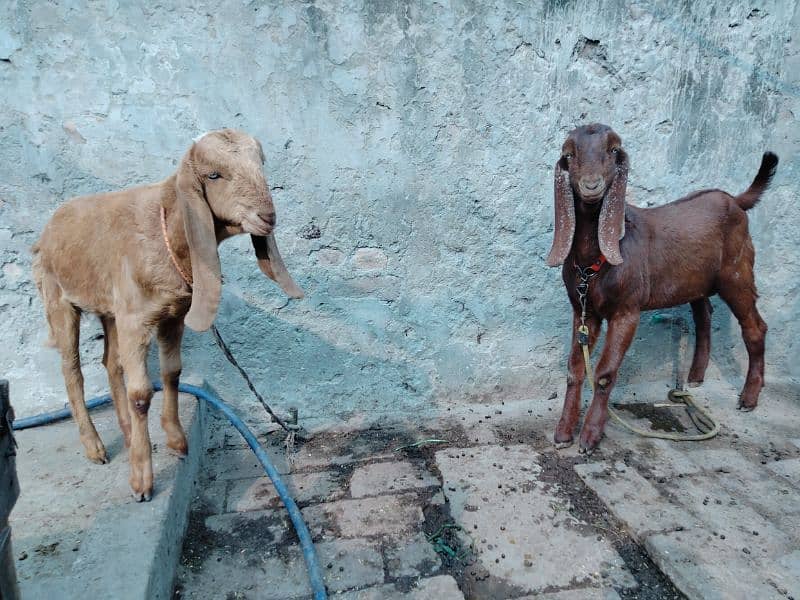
585	245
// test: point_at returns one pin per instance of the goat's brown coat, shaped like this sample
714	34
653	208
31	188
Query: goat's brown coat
682	252
106	254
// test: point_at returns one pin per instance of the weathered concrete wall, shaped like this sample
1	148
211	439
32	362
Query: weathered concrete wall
410	148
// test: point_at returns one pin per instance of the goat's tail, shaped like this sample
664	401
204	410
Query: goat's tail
752	195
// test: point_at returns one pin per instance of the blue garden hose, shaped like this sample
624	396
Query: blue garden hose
312	564
57	415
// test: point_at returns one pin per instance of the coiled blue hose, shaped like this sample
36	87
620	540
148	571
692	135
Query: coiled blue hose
312	564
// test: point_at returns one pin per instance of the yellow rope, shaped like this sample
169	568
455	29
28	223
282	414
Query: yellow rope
678	396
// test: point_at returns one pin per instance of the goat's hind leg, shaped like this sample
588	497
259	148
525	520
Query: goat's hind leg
701	312
742	301
116	380
169	354
65	322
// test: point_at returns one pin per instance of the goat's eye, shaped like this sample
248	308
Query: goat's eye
213	175
568	155
615	151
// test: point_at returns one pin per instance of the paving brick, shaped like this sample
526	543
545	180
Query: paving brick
769	495
664	458
576	594
443	587
321	451
787	469
365	517
700	564
755	485
479	434
261	527
216	432
411	557
258	494
723	460
325	451
725	515
632	499
386	477
279	572
266	432
789	564
304	459
211	496
241	463
436	588
523	531
350	563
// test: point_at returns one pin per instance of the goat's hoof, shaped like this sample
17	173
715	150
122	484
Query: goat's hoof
589	441
96	452
141	482
141	491
100	459
563	437
747	401
179	448
142	496
694	384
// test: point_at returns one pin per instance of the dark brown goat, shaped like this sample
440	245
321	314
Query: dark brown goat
645	259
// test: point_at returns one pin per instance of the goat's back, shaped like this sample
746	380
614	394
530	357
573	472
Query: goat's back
93	244
688	243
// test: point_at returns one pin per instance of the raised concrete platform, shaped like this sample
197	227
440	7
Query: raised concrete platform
77	531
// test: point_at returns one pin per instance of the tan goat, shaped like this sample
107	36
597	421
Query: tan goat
126	256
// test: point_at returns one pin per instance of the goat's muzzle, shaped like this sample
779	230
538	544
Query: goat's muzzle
259	223
591	191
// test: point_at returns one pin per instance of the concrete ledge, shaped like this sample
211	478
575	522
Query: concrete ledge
77	531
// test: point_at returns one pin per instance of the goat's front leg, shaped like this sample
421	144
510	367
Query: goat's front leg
701	311
169	354
134	340
621	329
565	429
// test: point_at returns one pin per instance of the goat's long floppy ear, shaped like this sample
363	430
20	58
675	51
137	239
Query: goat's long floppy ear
199	225
271	263
565	217
611	226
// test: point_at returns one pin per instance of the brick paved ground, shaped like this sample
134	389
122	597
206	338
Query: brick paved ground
638	519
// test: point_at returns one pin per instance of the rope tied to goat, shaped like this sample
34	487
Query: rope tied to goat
700	417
